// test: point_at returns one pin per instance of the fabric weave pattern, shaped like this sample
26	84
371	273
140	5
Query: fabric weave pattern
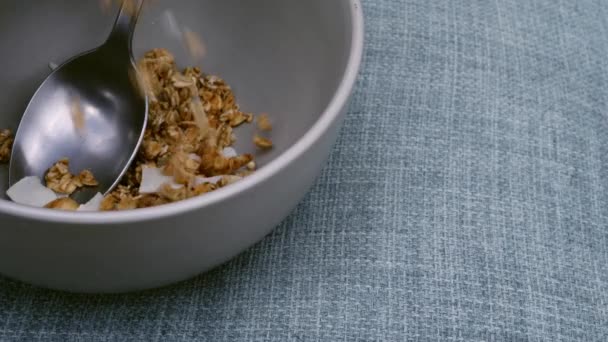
466	200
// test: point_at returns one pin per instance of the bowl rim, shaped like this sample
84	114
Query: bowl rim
328	116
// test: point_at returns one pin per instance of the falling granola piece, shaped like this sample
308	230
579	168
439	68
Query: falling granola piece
264	123
64	203
77	115
200	116
181	167
106	5
6	145
194	44
141	82
263	143
130	7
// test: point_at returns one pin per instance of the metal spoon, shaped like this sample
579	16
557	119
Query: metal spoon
87	110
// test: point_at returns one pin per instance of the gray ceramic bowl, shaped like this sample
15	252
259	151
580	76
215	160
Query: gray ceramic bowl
297	60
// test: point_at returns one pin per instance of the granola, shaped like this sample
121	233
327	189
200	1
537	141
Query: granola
64	203
59	179
261	142
264	123
6	145
194	44
186	145
191	121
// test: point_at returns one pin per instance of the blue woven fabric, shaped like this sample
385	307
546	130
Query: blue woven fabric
466	200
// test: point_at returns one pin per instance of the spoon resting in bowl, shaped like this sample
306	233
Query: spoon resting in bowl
88	110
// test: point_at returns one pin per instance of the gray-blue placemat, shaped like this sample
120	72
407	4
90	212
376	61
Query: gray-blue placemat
466	200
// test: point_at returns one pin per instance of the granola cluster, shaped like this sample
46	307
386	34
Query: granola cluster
191	121
6	145
59	179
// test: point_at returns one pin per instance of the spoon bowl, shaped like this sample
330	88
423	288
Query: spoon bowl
88	110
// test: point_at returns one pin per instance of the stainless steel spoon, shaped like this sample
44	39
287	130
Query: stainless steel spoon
87	110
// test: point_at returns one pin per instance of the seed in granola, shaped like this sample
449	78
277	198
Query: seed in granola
264	123
64	203
6	145
263	143
251	165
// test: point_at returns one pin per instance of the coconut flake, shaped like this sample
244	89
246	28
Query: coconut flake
93	204
229	152
171	25
152	179
194	157
230	179
203	180
30	191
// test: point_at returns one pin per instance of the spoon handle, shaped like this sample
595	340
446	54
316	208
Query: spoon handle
122	33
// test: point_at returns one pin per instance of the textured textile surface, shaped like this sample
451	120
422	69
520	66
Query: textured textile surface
466	200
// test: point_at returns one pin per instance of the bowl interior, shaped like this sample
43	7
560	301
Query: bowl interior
282	57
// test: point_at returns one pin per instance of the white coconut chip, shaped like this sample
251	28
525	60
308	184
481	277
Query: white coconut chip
203	180
30	191
194	157
152	179
169	21
229	152
93	204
